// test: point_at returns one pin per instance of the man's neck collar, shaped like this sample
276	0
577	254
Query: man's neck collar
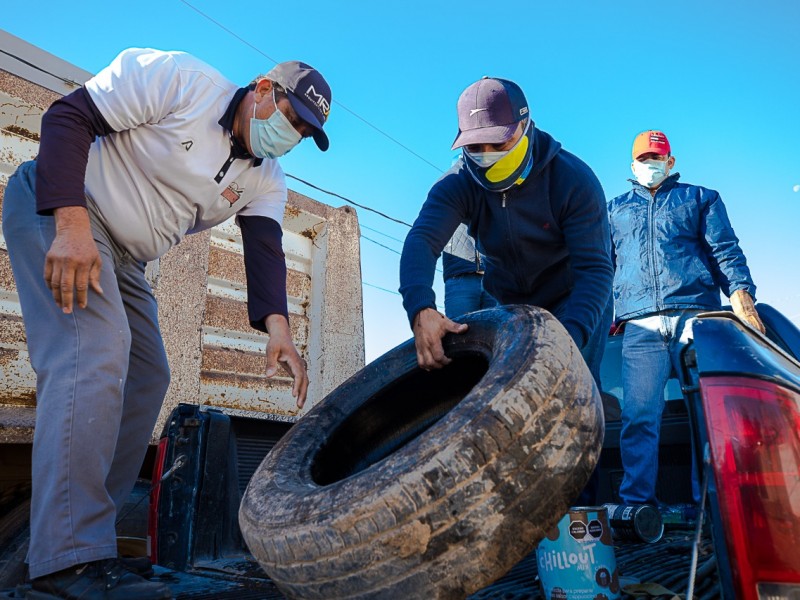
669	182
238	148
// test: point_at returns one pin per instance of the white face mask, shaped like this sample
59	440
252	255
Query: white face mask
486	159
650	173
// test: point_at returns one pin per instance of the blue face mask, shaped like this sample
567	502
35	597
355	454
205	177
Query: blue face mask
272	137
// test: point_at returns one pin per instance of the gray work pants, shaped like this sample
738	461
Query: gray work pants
101	377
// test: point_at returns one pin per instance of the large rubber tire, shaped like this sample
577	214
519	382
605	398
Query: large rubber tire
403	483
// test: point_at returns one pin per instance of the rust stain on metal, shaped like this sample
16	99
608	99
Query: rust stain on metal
226	313
233	361
298	284
25	398
225	361
6	277
8	356
291	211
12	330
226	265
264	405
9	157
18	87
22	132
312	232
298	324
245	382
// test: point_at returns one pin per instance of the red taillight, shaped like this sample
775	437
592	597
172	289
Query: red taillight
754	433
155	494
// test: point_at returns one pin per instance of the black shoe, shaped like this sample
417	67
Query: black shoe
140	565
100	580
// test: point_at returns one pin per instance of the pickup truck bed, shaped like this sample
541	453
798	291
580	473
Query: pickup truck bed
203	555
666	562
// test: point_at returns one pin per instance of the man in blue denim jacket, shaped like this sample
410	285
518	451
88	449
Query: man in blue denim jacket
674	249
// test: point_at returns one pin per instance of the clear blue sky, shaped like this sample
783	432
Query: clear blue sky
720	78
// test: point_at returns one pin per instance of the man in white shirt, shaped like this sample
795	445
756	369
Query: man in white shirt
156	146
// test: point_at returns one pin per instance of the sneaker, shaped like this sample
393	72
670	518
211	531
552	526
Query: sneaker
99	580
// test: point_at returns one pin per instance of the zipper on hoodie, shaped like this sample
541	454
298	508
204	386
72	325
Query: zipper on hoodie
651	226
518	276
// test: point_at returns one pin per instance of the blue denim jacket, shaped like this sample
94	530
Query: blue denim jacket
674	250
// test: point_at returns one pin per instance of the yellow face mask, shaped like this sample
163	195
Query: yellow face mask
509	170
505	167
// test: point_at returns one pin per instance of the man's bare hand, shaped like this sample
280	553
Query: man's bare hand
73	263
280	348
430	326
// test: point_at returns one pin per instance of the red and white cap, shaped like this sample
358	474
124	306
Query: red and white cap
650	142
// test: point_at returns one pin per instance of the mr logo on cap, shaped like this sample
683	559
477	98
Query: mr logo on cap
488	112
309	94
650	142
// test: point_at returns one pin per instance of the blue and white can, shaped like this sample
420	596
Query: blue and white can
576	559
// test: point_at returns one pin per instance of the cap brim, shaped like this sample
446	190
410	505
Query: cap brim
650	151
320	137
485	135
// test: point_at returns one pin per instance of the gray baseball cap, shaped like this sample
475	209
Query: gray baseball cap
488	112
309	94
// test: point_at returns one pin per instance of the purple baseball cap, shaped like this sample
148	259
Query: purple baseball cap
309	94
488	112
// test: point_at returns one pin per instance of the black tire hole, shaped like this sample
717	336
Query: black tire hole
395	416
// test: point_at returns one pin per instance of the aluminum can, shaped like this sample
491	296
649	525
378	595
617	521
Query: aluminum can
576	559
635	522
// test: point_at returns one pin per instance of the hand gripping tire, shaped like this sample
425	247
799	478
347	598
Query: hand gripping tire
403	483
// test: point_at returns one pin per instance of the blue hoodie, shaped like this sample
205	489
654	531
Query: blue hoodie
546	241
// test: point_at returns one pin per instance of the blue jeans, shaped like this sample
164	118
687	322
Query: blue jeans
650	352
465	293
101	376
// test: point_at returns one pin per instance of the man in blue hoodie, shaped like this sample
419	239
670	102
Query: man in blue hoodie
538	213
675	250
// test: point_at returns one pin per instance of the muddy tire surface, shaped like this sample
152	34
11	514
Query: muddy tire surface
406	483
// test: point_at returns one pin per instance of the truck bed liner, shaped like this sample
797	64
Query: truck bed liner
666	563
